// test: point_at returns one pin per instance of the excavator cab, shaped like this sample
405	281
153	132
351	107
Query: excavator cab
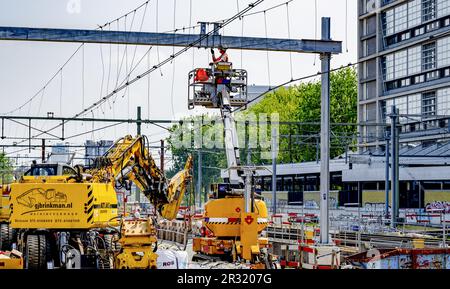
206	84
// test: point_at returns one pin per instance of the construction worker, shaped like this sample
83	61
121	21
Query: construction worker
137	213
223	55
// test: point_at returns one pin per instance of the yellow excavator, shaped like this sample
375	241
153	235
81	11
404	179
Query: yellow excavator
69	218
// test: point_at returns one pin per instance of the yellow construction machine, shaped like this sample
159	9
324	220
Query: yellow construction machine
234	217
6	232
68	217
232	232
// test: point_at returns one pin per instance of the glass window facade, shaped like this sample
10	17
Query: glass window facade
429	103
429	56
414	105
413	13
401	17
443	51
389	67
443	101
371	25
414	60
388	22
428	10
443	7
401	63
418	59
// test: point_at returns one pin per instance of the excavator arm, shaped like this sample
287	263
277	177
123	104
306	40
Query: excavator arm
128	160
176	190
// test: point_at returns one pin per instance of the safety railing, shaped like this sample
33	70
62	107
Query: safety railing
203	85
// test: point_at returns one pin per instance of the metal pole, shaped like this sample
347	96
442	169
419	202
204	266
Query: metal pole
43	151
249	151
274	171
444	228
325	136
29	135
317	149
162	156
199	180
247	192
386	183
138	129
395	164
138	122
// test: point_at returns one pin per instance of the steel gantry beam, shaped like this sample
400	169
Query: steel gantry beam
169	39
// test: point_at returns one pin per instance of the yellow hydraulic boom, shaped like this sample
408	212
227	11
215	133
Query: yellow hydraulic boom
129	160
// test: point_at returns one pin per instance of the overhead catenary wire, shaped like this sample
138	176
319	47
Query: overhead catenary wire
262	11
61	93
26	125
66	62
295	80
346	25
82	75
157	30
190	28
93	130
155	67
148	86
315	29
60	72
46	84
173	60
289	37
267	51
109	65
118	45
109	27
242	35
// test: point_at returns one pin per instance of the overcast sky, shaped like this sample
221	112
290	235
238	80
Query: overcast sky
26	66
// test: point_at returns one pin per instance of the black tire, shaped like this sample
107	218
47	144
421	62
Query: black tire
6	237
36	252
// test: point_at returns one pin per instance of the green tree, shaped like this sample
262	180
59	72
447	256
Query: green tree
213	159
6	173
301	103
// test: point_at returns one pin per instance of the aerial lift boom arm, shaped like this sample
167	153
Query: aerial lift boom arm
231	138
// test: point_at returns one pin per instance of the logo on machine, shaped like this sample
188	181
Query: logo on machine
249	219
38	199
